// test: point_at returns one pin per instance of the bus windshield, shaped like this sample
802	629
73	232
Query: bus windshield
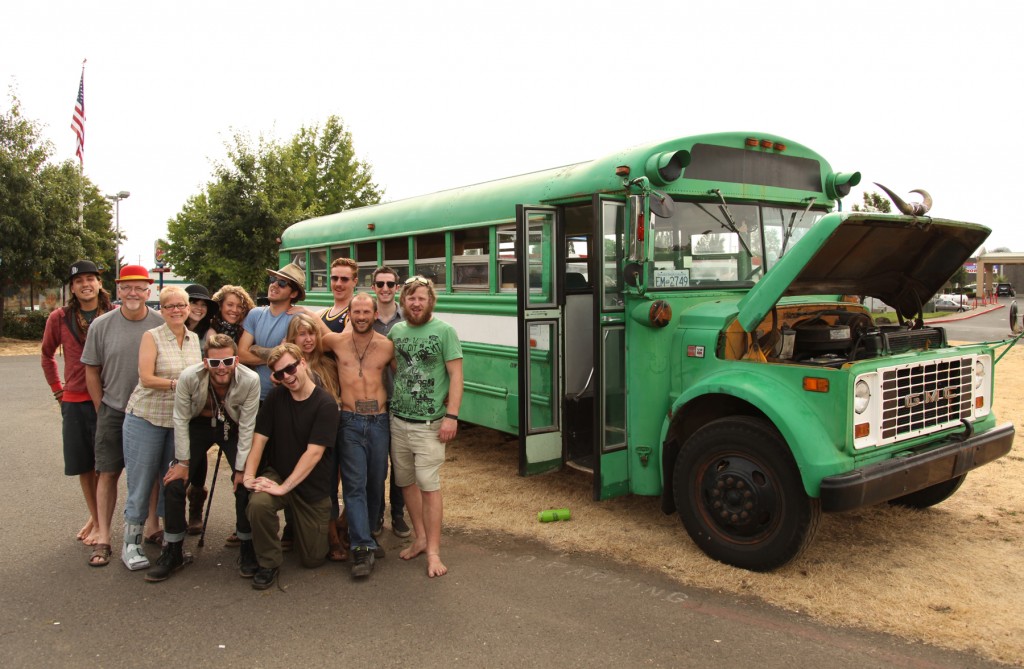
707	243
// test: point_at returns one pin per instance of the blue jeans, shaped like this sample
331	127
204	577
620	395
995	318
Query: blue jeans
363	442
148	449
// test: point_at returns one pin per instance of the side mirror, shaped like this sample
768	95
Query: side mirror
661	205
631	274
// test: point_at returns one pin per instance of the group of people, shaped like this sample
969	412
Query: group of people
298	401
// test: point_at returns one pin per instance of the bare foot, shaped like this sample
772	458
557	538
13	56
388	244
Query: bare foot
414	550
92	539
86	530
434	565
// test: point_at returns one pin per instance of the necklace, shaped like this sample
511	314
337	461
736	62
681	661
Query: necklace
365	349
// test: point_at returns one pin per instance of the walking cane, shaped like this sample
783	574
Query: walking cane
209	500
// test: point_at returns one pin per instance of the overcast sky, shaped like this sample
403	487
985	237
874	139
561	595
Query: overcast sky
439	94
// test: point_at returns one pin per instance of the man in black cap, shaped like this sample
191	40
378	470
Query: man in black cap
66	328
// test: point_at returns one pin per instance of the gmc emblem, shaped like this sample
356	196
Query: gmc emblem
929	397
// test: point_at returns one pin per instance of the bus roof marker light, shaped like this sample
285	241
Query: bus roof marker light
752	141
622	171
767	143
667	166
838	184
779	146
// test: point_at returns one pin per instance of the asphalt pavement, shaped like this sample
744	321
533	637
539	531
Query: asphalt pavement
504	602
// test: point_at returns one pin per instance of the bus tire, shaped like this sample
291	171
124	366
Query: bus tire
930	496
740	496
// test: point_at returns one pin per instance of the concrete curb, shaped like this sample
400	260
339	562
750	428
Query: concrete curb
966	314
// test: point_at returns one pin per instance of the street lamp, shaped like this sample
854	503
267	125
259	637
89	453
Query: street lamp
116	199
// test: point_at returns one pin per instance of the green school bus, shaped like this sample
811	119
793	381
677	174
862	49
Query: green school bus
685	319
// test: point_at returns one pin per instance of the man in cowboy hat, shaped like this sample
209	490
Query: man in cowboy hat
67	327
111	357
266	327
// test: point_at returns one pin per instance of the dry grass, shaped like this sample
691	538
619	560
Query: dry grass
952	575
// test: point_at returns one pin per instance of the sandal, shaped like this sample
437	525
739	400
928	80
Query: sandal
156	539
337	553
100	555
232	541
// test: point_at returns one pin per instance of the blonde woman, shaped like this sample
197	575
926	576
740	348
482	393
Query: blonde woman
149	423
234	305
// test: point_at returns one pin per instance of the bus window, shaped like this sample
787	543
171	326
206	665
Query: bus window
507	258
783	227
340	252
577	270
705	243
613	221
366	257
430	259
471	257
396	256
318	270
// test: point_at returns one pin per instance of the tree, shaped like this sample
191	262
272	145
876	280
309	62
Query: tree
230	233
39	232
874	202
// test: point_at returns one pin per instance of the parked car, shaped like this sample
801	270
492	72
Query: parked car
1005	290
943	304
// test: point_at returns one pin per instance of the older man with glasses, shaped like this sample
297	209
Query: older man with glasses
111	359
215	402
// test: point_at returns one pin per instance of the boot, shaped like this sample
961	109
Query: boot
171	560
196	499
342	524
132	554
247	563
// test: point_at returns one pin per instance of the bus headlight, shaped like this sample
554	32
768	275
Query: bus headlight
861	396
979	373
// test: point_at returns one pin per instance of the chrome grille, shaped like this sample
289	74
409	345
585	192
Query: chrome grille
925	397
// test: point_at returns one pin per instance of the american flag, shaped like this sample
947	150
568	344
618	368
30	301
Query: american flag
78	120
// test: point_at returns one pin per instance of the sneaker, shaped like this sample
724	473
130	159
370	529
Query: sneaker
362	559
247	563
264	578
399	527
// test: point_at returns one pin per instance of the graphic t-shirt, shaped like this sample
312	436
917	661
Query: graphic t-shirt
421	381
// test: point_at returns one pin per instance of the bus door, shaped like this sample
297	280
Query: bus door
611	472
540	339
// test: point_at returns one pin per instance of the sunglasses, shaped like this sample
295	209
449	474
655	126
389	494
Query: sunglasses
381	284
343	279
288	370
417	281
281	283
217	362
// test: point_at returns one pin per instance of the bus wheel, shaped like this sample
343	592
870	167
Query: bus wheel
740	496
931	495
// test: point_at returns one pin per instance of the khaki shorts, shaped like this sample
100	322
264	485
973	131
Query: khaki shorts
416	454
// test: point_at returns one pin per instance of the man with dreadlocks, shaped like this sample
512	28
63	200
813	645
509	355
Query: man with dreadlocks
66	327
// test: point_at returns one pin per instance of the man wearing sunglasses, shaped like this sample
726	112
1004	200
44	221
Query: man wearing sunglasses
343	284
385	283
424	414
295	430
215	402
266	327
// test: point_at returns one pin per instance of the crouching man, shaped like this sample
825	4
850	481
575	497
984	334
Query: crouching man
296	425
215	402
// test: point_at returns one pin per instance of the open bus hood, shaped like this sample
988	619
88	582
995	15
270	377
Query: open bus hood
901	260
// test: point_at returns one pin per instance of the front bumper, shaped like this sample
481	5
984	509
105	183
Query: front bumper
894	478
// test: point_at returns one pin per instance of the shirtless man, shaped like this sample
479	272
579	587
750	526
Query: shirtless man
343	284
364	431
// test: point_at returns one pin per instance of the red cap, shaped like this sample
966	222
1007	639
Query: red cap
134	273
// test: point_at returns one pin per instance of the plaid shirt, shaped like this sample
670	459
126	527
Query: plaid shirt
157	406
